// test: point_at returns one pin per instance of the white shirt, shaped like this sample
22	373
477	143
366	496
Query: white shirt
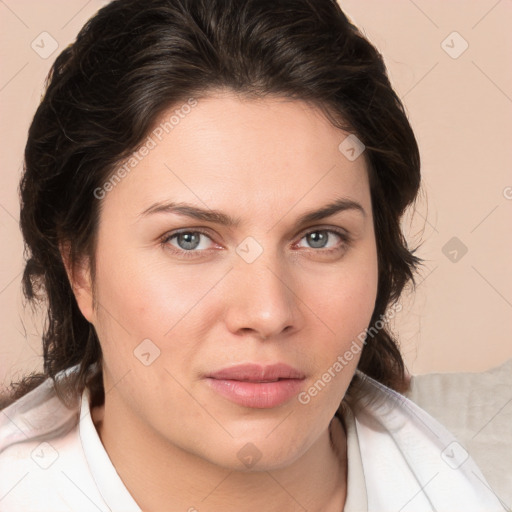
399	459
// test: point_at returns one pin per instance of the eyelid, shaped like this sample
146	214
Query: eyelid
342	233
333	229
345	242
171	234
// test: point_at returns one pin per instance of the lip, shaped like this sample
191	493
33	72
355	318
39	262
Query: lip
257	386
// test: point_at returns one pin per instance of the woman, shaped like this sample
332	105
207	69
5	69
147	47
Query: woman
211	202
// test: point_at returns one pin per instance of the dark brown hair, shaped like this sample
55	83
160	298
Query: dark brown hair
135	59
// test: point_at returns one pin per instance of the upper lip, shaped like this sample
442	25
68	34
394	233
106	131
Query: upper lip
251	372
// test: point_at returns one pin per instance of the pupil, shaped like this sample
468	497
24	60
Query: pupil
190	240
317	239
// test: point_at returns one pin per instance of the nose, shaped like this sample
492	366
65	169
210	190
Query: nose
262	300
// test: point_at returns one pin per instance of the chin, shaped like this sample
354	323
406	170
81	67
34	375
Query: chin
257	453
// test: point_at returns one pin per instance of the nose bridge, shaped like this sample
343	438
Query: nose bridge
262	297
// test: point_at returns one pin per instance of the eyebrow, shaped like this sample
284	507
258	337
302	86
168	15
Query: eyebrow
221	218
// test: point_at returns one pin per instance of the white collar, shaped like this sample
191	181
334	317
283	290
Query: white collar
400	458
108	481
411	462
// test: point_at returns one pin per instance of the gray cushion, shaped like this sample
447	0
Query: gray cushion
477	409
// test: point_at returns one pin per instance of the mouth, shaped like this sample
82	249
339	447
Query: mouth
257	386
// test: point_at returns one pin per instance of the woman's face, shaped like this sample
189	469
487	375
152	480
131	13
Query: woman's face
230	340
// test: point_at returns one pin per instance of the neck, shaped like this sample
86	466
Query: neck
158	473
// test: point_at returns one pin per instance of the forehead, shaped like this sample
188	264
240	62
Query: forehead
253	155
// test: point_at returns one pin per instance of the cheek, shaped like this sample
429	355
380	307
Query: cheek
129	304
345	302
145	295
347	315
345	299
142	300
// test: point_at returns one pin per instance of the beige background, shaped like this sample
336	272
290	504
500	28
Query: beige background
460	106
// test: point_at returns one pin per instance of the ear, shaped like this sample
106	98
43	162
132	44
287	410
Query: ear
79	276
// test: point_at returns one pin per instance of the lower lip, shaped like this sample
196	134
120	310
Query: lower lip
259	395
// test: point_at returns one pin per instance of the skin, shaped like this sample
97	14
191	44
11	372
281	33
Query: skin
172	439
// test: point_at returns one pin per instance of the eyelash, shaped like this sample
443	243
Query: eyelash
345	241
